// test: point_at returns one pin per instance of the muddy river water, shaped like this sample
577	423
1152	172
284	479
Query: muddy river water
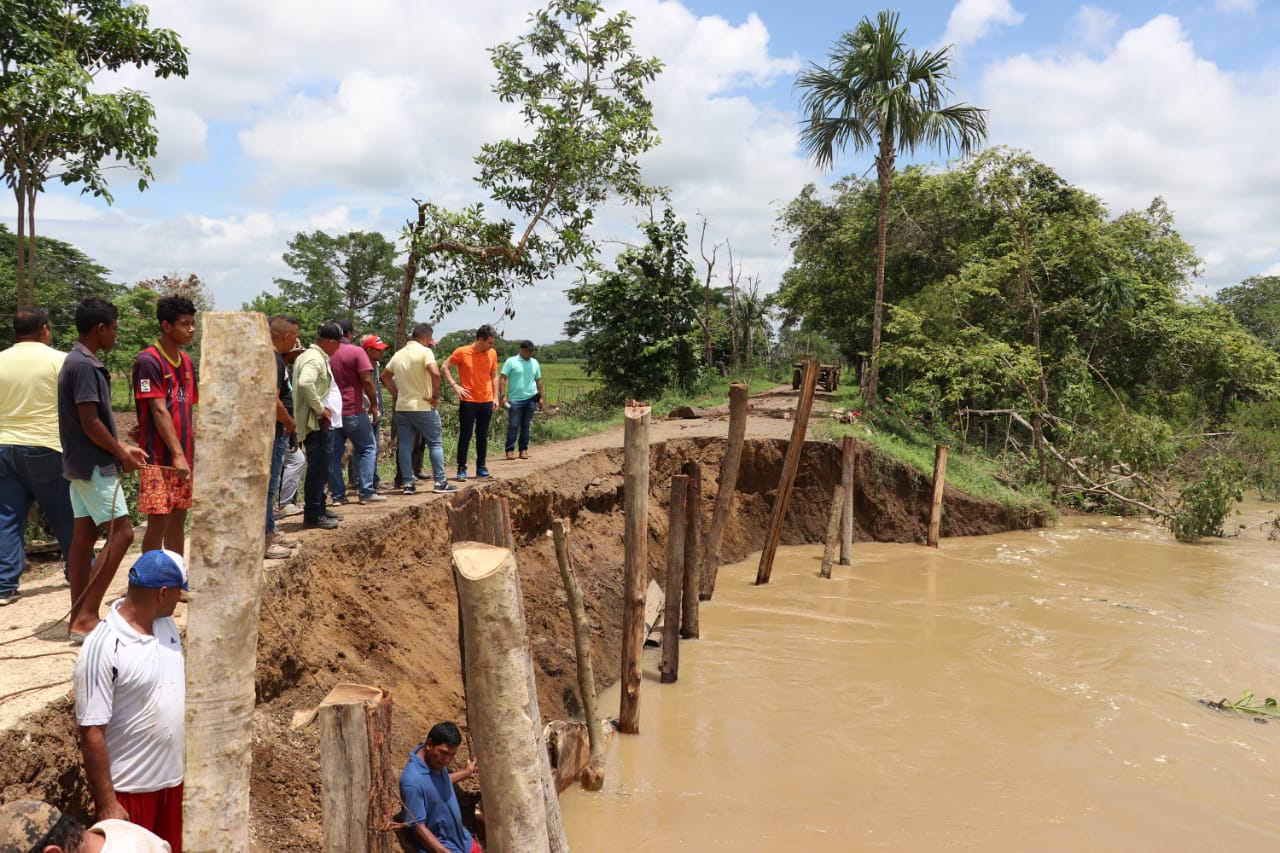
1028	691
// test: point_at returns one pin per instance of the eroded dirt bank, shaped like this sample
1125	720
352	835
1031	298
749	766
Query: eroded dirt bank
374	602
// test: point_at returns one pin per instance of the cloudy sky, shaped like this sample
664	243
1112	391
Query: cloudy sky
317	114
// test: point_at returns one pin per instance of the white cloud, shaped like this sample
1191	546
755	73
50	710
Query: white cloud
1094	28
1229	6
1150	118
973	20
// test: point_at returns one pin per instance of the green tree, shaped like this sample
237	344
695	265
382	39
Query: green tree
579	86
875	92
64	276
638	322
350	276
53	124
1255	302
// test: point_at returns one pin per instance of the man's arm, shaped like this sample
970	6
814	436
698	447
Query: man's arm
502	387
433	370
389	381
539	382
163	423
284	418
463	393
493	377
127	455
366	384
465	773
97	767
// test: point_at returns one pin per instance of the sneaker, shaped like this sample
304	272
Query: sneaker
277	552
6	600
511	456
323	523
409	490
482	472
373	498
287	510
278	538
339	501
462	475
328	513
444	487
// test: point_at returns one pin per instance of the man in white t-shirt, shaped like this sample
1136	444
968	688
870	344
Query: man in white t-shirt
30	826
130	684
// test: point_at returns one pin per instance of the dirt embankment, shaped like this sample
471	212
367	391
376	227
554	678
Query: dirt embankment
374	602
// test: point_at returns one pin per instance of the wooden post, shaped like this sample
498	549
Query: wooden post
790	465
232	466
729	464
503	712
829	546
846	516
670	667
692	551
939	480
358	791
592	777
635	484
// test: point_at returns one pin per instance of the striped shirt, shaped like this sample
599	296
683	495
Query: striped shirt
157	378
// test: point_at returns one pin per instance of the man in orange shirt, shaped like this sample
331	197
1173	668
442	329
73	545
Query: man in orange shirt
477	390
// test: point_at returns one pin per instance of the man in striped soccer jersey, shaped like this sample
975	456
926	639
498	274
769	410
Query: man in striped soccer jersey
164	388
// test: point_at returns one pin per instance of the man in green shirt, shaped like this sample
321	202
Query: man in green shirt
311	381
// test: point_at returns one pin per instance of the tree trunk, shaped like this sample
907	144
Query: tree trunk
935	508
669	669
635	480
410	273
593	774
846	514
692	551
790	465
358	792
830	545
884	173
505	722
729	464
237	411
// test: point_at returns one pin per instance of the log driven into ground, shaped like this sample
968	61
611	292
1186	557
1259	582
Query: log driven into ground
669	669
635	484
935	508
831	546
505	723
358	790
692	551
790	465
592	777
846	515
237	416
729	464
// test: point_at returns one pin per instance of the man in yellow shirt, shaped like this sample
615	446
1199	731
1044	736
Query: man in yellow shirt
30	448
477	390
413	378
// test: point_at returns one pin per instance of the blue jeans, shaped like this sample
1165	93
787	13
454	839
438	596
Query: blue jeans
364	450
30	474
317	445
410	425
519	417
278	450
473	416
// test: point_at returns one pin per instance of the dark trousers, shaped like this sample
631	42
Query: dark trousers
316	445
519	419
474	416
30	474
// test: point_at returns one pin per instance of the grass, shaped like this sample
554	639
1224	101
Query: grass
909	442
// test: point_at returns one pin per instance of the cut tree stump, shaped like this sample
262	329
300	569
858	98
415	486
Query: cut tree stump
359	794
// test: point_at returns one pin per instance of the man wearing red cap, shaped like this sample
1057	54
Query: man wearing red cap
374	347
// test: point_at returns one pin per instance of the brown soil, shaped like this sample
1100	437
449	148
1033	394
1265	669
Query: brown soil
374	601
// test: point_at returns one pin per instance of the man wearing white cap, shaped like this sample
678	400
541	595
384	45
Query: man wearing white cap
130	685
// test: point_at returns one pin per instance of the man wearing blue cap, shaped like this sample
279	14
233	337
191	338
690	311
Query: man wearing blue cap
130	684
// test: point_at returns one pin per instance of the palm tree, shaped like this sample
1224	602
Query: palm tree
875	91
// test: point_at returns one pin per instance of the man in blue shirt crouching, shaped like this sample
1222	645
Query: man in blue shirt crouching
426	787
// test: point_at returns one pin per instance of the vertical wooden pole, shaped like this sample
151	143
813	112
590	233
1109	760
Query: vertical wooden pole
939	480
670	667
790	465
729	465
692	551
503	711
830	546
635	484
358	793
846	515
232	466
593	774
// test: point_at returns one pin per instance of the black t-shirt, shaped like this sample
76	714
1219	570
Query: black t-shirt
284	386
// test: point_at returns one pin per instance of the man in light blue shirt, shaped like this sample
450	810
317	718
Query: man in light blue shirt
426	788
520	390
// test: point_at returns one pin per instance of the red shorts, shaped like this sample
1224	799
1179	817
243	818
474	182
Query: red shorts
159	811
161	490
